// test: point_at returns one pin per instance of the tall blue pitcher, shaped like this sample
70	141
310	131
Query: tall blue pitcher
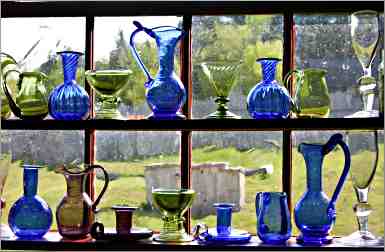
315	214
165	93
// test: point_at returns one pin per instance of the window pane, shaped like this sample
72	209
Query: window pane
232	167
34	42
48	148
233	38
324	41
136	162
112	36
331	171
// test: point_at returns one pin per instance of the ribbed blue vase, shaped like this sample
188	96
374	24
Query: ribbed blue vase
268	99
30	216
69	101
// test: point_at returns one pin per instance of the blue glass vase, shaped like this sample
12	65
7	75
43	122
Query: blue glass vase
69	101
273	217
268	99
315	214
30	216
165	93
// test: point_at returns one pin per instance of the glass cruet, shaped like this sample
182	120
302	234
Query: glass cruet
165	93
75	213
315	226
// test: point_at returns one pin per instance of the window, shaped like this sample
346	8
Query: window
137	152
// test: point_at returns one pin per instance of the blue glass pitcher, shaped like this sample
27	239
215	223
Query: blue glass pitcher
165	93
273	217
315	214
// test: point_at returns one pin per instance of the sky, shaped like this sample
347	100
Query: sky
19	34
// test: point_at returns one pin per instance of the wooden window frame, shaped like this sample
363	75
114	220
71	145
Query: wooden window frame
187	10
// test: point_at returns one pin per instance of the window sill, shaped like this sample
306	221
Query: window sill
198	124
53	241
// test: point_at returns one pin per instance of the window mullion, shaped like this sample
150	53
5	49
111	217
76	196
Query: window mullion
288	64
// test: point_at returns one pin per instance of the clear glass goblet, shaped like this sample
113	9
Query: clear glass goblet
365	40
364	150
222	76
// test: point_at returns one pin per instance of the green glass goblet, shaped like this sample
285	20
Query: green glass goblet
222	76
172	204
107	84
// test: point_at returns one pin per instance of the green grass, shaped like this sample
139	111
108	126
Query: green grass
130	187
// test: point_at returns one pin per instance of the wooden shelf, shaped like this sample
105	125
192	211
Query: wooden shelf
53	241
198	124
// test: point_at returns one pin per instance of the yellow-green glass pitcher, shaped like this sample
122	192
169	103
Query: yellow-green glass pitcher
311	97
31	100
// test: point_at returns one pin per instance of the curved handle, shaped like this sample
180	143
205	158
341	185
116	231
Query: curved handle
258	198
12	104
329	146
135	53
97	230
298	74
106	181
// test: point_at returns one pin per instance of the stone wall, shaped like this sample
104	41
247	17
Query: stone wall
212	182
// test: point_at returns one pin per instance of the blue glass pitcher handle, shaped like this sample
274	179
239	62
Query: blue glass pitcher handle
335	140
135	53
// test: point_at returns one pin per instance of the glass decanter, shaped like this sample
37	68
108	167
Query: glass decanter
69	101
268	99
165	93
314	213
75	212
30	217
365	40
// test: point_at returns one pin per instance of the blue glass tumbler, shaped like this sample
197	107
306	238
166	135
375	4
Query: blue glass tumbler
273	217
224	212
30	216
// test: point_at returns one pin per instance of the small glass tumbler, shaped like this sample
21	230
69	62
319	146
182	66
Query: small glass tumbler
273	217
124	216
224	212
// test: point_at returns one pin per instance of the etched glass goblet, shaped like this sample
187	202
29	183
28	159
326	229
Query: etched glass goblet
222	76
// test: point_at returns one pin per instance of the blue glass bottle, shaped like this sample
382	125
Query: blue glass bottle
69	101
314	214
30	216
273	217
268	99
165	93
